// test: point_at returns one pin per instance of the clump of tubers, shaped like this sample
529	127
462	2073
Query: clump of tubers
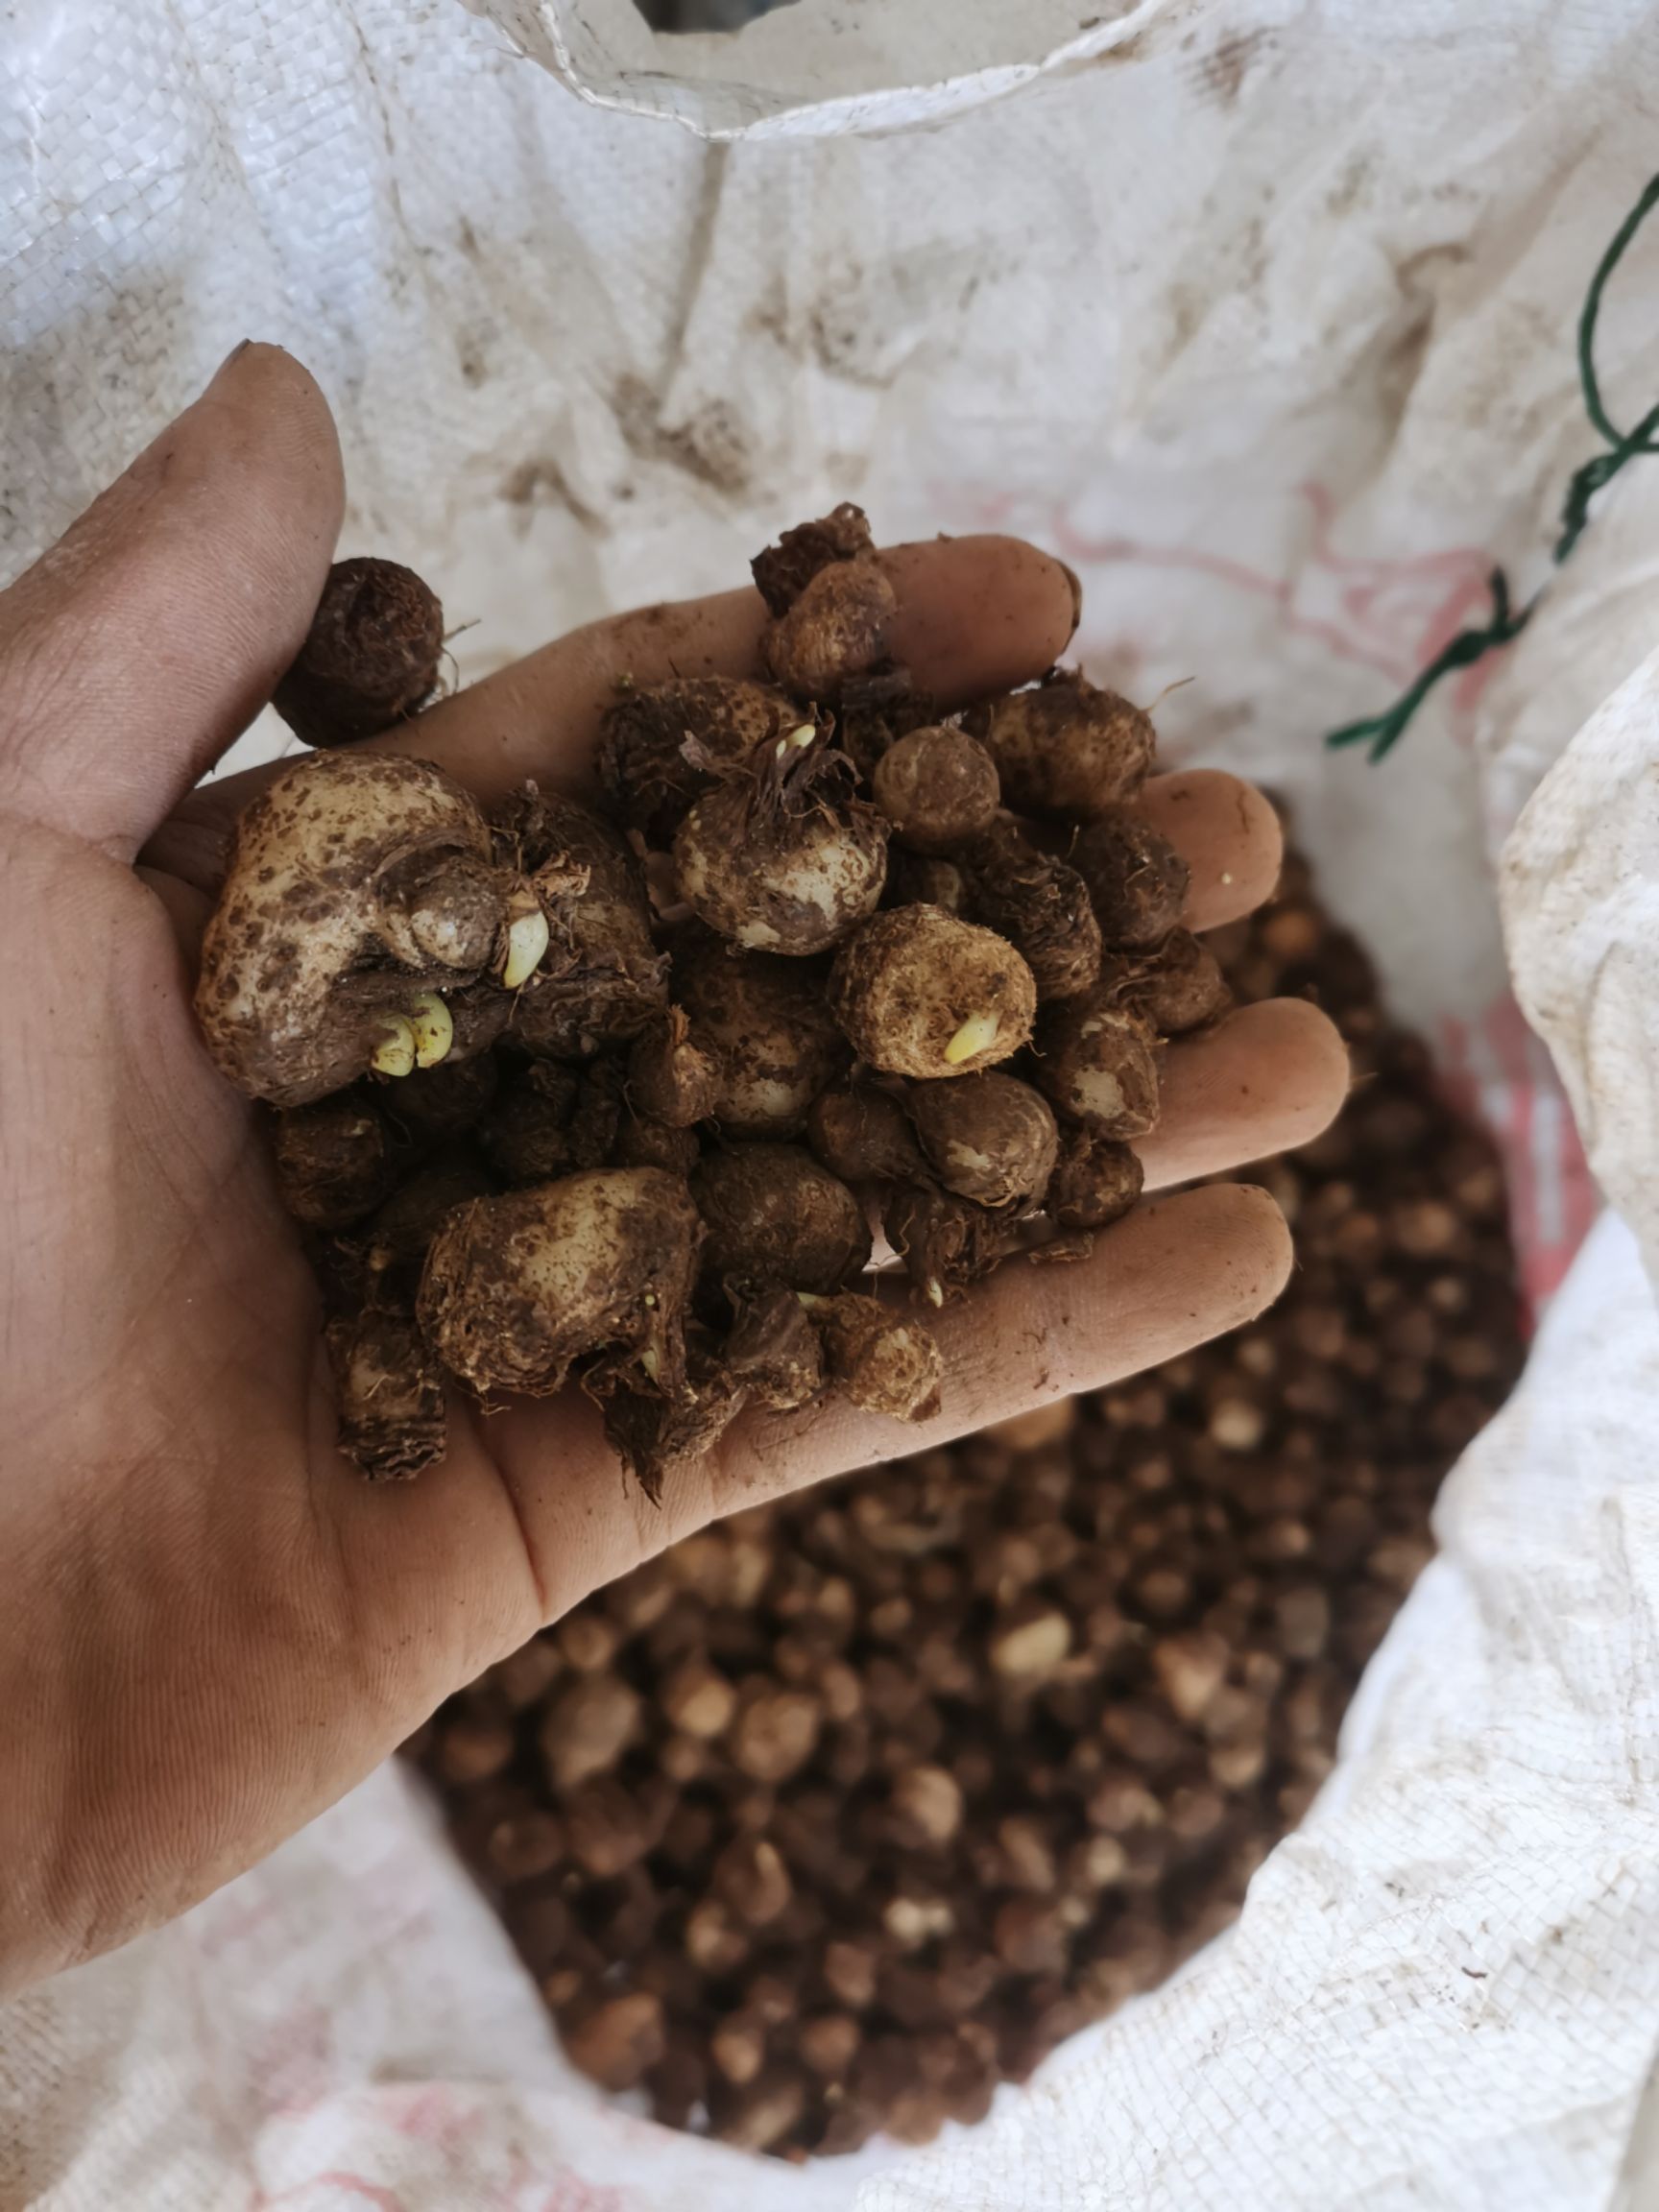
614	1093
370	658
832	606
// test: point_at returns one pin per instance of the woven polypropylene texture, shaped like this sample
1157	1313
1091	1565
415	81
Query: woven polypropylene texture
1262	320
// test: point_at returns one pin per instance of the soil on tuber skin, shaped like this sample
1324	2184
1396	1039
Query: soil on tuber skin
863	1135
938	788
773	1350
1040	904
1095	1182
1136	880
356	884
601	980
1096	1062
885	1362
549	1075
660	747
765	1024
517	1288
774	1214
334	1161
945	1242
1065	748
832	606
924	994
389	1390
990	1138
784	857
370	657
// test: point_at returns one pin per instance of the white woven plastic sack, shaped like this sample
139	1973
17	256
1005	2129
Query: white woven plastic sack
1261	314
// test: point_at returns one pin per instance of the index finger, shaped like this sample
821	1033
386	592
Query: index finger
975	614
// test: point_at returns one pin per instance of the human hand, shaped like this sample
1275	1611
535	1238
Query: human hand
210	1627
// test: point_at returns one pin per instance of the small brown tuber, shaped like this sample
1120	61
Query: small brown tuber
436	1104
885	1363
1040	904
360	887
390	1396
1137	879
989	1137
945	1242
1064	747
772	1351
600	980
642	1144
1173	989
831	603
1096	1062
660	1437
775	1215
334	1161
923	994
671	1078
517	1289
915	879
1095	1182
663	745
526	1133
862	1135
938	788
786	858
370	658
764	1023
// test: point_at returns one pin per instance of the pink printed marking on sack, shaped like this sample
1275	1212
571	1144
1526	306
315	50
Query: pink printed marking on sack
1497	1069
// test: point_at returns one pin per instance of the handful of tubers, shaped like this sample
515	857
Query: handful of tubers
623	1094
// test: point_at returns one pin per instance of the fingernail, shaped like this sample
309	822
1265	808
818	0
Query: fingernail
1076	583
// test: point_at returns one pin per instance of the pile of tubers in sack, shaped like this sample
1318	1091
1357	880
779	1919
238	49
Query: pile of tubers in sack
626	1091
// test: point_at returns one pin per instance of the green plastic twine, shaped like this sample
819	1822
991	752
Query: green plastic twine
1383	731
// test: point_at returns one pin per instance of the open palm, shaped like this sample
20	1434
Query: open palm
209	1626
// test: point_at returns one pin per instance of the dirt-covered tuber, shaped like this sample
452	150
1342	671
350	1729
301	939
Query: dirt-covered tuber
389	1392
775	1215
370	658
1096	1062
862	1134
517	1288
360	888
785	859
924	994
1095	1182
884	1361
773	1350
1064	747
988	1138
1174	987
334	1161
938	788
662	746
832	606
765	1024
600	980
945	1242
1040	904
671	1078
1136	880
